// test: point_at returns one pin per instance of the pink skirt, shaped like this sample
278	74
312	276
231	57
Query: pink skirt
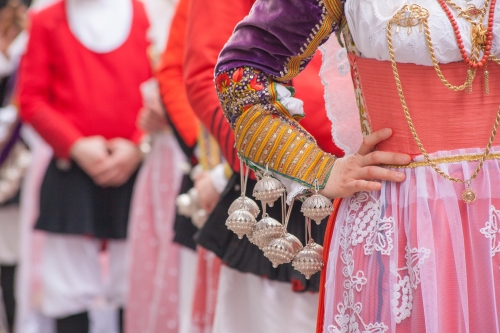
415	257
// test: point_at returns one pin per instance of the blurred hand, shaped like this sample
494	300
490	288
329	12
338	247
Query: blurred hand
360	172
12	22
124	159
90	154
152	120
207	194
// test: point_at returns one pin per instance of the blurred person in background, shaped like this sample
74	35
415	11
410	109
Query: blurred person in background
14	155
162	247
79	88
198	270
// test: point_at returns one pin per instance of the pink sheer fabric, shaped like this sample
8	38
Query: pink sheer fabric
205	295
28	284
415	258
154	258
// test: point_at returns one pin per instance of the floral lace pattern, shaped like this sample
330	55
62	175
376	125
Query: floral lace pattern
367	226
402	295
491	230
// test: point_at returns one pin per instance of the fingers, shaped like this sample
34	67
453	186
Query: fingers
381	157
378	173
104	173
370	141
364	186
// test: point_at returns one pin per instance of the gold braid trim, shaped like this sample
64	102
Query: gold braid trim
318	34
336	10
269	140
448	159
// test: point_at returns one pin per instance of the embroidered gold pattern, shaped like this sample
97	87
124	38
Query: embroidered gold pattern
286	151
330	17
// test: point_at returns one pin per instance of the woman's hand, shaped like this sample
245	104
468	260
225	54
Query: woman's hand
151	120
207	194
360	172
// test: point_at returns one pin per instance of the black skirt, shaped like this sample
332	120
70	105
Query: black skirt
71	203
246	257
184	230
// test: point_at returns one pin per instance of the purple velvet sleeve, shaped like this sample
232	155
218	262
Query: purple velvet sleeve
278	35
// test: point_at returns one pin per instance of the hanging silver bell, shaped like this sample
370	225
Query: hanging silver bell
241	222
186	203
265	231
246	203
317	207
309	260
282	250
316	247
199	218
268	190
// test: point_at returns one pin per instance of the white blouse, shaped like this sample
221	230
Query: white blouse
367	20
100	25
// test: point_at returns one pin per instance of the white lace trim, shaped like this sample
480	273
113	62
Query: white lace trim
339	96
365	225
491	230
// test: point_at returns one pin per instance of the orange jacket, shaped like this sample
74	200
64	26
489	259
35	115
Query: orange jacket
170	78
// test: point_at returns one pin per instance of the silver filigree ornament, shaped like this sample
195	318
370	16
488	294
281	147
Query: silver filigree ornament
13	170
317	207
247	203
268	190
199	218
241	222
265	231
187	203
309	260
282	250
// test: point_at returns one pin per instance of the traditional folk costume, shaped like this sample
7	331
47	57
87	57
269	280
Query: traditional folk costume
199	269
74	63
208	30
158	274
417	256
14	158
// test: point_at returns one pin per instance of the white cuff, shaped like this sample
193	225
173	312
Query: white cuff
218	178
293	188
294	105
8	116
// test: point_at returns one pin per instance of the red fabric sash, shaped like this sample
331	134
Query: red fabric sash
326	249
444	119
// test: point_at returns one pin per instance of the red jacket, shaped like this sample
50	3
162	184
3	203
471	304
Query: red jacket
67	91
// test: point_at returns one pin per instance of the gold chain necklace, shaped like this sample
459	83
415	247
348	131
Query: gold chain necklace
481	37
418	17
471	12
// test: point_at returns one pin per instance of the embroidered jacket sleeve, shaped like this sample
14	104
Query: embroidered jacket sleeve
271	46
35	93
170	78
208	29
